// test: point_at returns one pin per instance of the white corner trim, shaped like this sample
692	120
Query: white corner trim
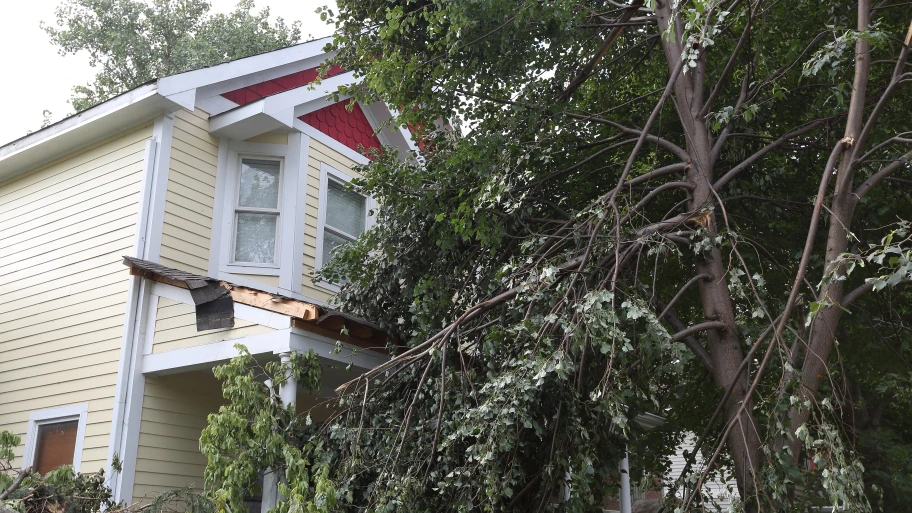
218	210
77	412
293	220
248	313
329	141
206	355
162	132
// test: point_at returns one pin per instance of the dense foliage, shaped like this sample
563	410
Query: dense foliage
693	209
134	41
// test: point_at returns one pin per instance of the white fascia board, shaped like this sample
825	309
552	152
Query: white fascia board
245	122
246	312
206	355
325	348
307	93
77	131
241	67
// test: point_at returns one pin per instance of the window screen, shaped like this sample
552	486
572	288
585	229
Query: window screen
346	212
257	211
55	445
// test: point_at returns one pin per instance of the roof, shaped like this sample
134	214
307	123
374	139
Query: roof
311	317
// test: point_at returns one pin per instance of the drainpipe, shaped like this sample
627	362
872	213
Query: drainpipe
625	485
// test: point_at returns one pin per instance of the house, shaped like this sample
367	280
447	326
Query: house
233	173
222	190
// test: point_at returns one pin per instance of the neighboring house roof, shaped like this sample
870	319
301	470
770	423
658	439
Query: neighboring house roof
214	305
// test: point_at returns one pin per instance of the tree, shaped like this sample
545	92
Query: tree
134	41
695	209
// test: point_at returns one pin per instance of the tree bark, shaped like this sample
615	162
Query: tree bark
824	327
724	345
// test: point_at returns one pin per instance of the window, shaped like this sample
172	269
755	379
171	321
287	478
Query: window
260	191
55	437
344	214
256	212
56	445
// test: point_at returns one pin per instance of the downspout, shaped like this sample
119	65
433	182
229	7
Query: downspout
124	434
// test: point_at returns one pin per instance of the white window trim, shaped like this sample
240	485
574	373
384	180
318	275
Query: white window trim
327	171
292	204
77	412
280	203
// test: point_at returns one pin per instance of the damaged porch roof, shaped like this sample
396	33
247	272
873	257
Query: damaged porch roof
214	301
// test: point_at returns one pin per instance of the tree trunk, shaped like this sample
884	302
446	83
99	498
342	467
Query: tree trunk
724	345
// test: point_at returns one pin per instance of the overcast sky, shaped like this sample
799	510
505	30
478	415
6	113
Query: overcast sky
38	78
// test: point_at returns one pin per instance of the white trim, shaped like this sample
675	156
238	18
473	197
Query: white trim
275	342
241	67
325	347
325	172
163	132
292	231
74	133
277	111
329	141
128	392
77	412
206	355
218	221
289	234
227	198
248	313
271	268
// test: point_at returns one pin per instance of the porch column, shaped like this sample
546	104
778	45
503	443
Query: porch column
288	393
625	485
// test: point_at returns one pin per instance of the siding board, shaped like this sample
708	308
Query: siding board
63	229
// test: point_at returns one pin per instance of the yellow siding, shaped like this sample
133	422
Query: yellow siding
175	328
173	416
319	154
191	192
63	288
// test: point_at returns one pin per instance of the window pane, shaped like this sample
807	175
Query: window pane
345	209
331	241
259	184
256	238
55	445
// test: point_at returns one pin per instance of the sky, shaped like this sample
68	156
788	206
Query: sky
38	78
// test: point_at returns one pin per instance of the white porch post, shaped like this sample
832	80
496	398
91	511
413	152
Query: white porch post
625	485
288	393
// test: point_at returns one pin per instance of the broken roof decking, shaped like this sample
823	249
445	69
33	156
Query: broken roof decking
305	316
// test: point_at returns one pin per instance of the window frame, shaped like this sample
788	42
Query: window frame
328	173
38	418
236	209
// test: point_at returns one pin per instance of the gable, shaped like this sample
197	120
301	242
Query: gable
252	93
349	128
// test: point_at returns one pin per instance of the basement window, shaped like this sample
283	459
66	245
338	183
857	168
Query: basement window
54	438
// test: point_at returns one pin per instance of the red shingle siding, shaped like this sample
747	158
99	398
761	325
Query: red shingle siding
349	128
248	94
